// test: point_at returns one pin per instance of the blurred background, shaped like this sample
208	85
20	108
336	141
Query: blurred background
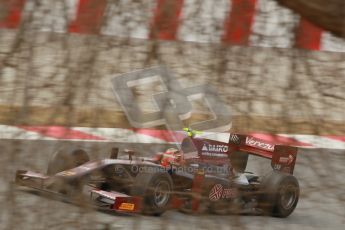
278	64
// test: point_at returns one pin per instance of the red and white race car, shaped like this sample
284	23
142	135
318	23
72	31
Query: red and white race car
201	175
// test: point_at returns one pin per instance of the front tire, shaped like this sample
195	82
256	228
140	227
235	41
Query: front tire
156	190
63	160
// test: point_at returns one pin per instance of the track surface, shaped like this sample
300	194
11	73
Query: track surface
321	206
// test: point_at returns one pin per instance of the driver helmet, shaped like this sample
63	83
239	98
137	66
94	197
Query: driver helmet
171	155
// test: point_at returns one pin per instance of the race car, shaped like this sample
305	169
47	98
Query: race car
200	175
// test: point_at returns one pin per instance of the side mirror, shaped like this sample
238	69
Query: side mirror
130	153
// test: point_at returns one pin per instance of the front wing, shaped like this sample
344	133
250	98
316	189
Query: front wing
105	200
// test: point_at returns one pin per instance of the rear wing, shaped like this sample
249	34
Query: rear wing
207	150
283	157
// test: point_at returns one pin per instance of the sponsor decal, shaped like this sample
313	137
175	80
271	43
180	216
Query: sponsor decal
277	166
218	192
286	160
234	138
250	141
229	193
127	206
214	150
214	154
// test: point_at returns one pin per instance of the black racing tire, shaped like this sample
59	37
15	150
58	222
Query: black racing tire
156	190
280	194
63	160
72	189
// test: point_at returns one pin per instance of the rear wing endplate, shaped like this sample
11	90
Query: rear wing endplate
283	157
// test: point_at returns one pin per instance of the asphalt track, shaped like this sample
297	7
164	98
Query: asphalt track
320	173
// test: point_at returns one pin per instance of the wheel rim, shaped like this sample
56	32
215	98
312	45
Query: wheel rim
288	196
161	193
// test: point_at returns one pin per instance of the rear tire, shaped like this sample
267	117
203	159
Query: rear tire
156	190
63	160
280	194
